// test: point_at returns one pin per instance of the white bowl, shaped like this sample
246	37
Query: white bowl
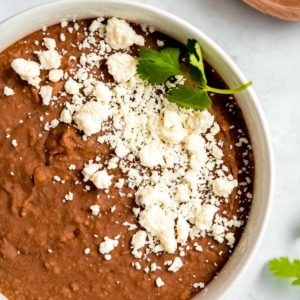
48	14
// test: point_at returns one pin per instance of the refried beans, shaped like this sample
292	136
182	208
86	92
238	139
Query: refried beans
53	221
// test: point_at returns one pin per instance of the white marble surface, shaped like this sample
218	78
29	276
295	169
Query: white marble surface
268	52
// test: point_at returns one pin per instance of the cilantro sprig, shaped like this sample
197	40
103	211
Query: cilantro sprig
284	268
157	67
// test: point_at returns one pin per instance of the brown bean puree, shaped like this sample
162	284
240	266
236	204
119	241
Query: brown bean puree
49	247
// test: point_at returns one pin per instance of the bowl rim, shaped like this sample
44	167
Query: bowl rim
235	70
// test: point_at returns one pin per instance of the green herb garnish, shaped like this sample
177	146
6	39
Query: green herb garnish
189	97
196	61
158	66
284	268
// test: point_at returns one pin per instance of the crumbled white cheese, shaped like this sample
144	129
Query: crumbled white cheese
108	245
121	66
8	91
87	251
160	225
72	167
121	150
127	224
205	121
49	59
198	247
90	116
96	25
28	70
150	196
172	130
218	232
138	240
182	193
66	116
89	170
151	156
50	43
101	179
223	187
72	87
69	196
154	267
57	178
14	143
176	265
194	143
120	183
102	92
160	43
107	256
64	23
62	37
56	75
230	238
217	152
183	230
159	282
120	35
197	285
191	178
46	94
95	209
204	216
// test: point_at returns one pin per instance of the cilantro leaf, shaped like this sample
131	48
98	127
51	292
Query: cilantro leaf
196	61
284	268
189	97
229	91
198	72
158	66
296	282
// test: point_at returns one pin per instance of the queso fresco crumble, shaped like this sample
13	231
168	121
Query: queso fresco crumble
131	174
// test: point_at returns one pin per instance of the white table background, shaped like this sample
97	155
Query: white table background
268	51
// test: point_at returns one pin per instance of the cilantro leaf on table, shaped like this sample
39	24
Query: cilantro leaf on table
284	268
158	66
189	97
196	61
